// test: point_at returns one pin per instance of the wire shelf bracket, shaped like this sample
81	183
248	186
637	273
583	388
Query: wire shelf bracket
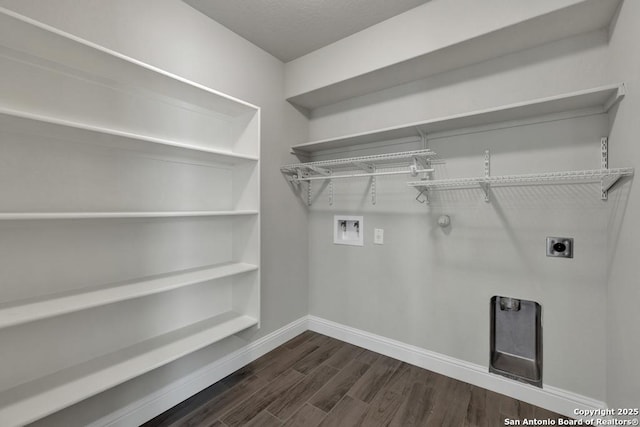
605	183
330	192
373	190
487	173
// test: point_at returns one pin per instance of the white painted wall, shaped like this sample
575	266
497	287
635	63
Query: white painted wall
623	292
430	287
171	35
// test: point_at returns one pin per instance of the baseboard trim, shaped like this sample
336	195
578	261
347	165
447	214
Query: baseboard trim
169	396
548	397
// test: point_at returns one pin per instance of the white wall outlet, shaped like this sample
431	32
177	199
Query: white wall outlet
378	236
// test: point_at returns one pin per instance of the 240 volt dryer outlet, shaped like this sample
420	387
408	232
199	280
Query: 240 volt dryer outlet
560	247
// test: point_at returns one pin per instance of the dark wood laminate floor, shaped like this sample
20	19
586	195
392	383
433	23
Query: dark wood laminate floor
314	380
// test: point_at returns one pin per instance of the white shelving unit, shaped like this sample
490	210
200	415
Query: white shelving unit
34	400
412	163
584	102
42	308
569	105
129	194
605	176
324	170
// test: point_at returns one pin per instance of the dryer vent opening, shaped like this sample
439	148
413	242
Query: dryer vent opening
516	339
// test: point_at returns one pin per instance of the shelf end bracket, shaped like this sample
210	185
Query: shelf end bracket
608	182
424	193
330	192
605	184
487	173
485	187
423	138
373	190
615	98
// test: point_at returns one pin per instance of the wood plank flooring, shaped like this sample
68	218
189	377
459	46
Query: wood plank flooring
314	380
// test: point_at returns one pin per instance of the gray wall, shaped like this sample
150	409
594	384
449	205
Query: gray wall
431	287
171	35
623	292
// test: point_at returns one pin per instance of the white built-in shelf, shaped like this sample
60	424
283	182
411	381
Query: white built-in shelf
578	18
16	313
590	101
44	44
31	401
115	215
85	133
159	134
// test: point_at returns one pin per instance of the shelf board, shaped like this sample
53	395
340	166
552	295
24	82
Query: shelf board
31	401
43	41
444	54
16	313
83	133
115	215
591	101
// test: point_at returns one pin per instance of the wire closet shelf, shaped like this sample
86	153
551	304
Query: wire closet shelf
412	163
418	161
605	176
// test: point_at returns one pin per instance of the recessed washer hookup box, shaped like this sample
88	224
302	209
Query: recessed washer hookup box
348	230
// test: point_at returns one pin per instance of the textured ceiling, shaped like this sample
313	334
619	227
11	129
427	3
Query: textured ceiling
289	29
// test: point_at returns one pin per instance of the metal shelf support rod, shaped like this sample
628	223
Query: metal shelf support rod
373	190
604	164
487	173
357	175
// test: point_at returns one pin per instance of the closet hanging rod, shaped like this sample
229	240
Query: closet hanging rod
356	175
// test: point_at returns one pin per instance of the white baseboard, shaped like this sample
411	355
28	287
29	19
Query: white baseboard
150	406
548	397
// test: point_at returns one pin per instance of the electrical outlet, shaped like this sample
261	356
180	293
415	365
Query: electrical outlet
560	247
378	236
